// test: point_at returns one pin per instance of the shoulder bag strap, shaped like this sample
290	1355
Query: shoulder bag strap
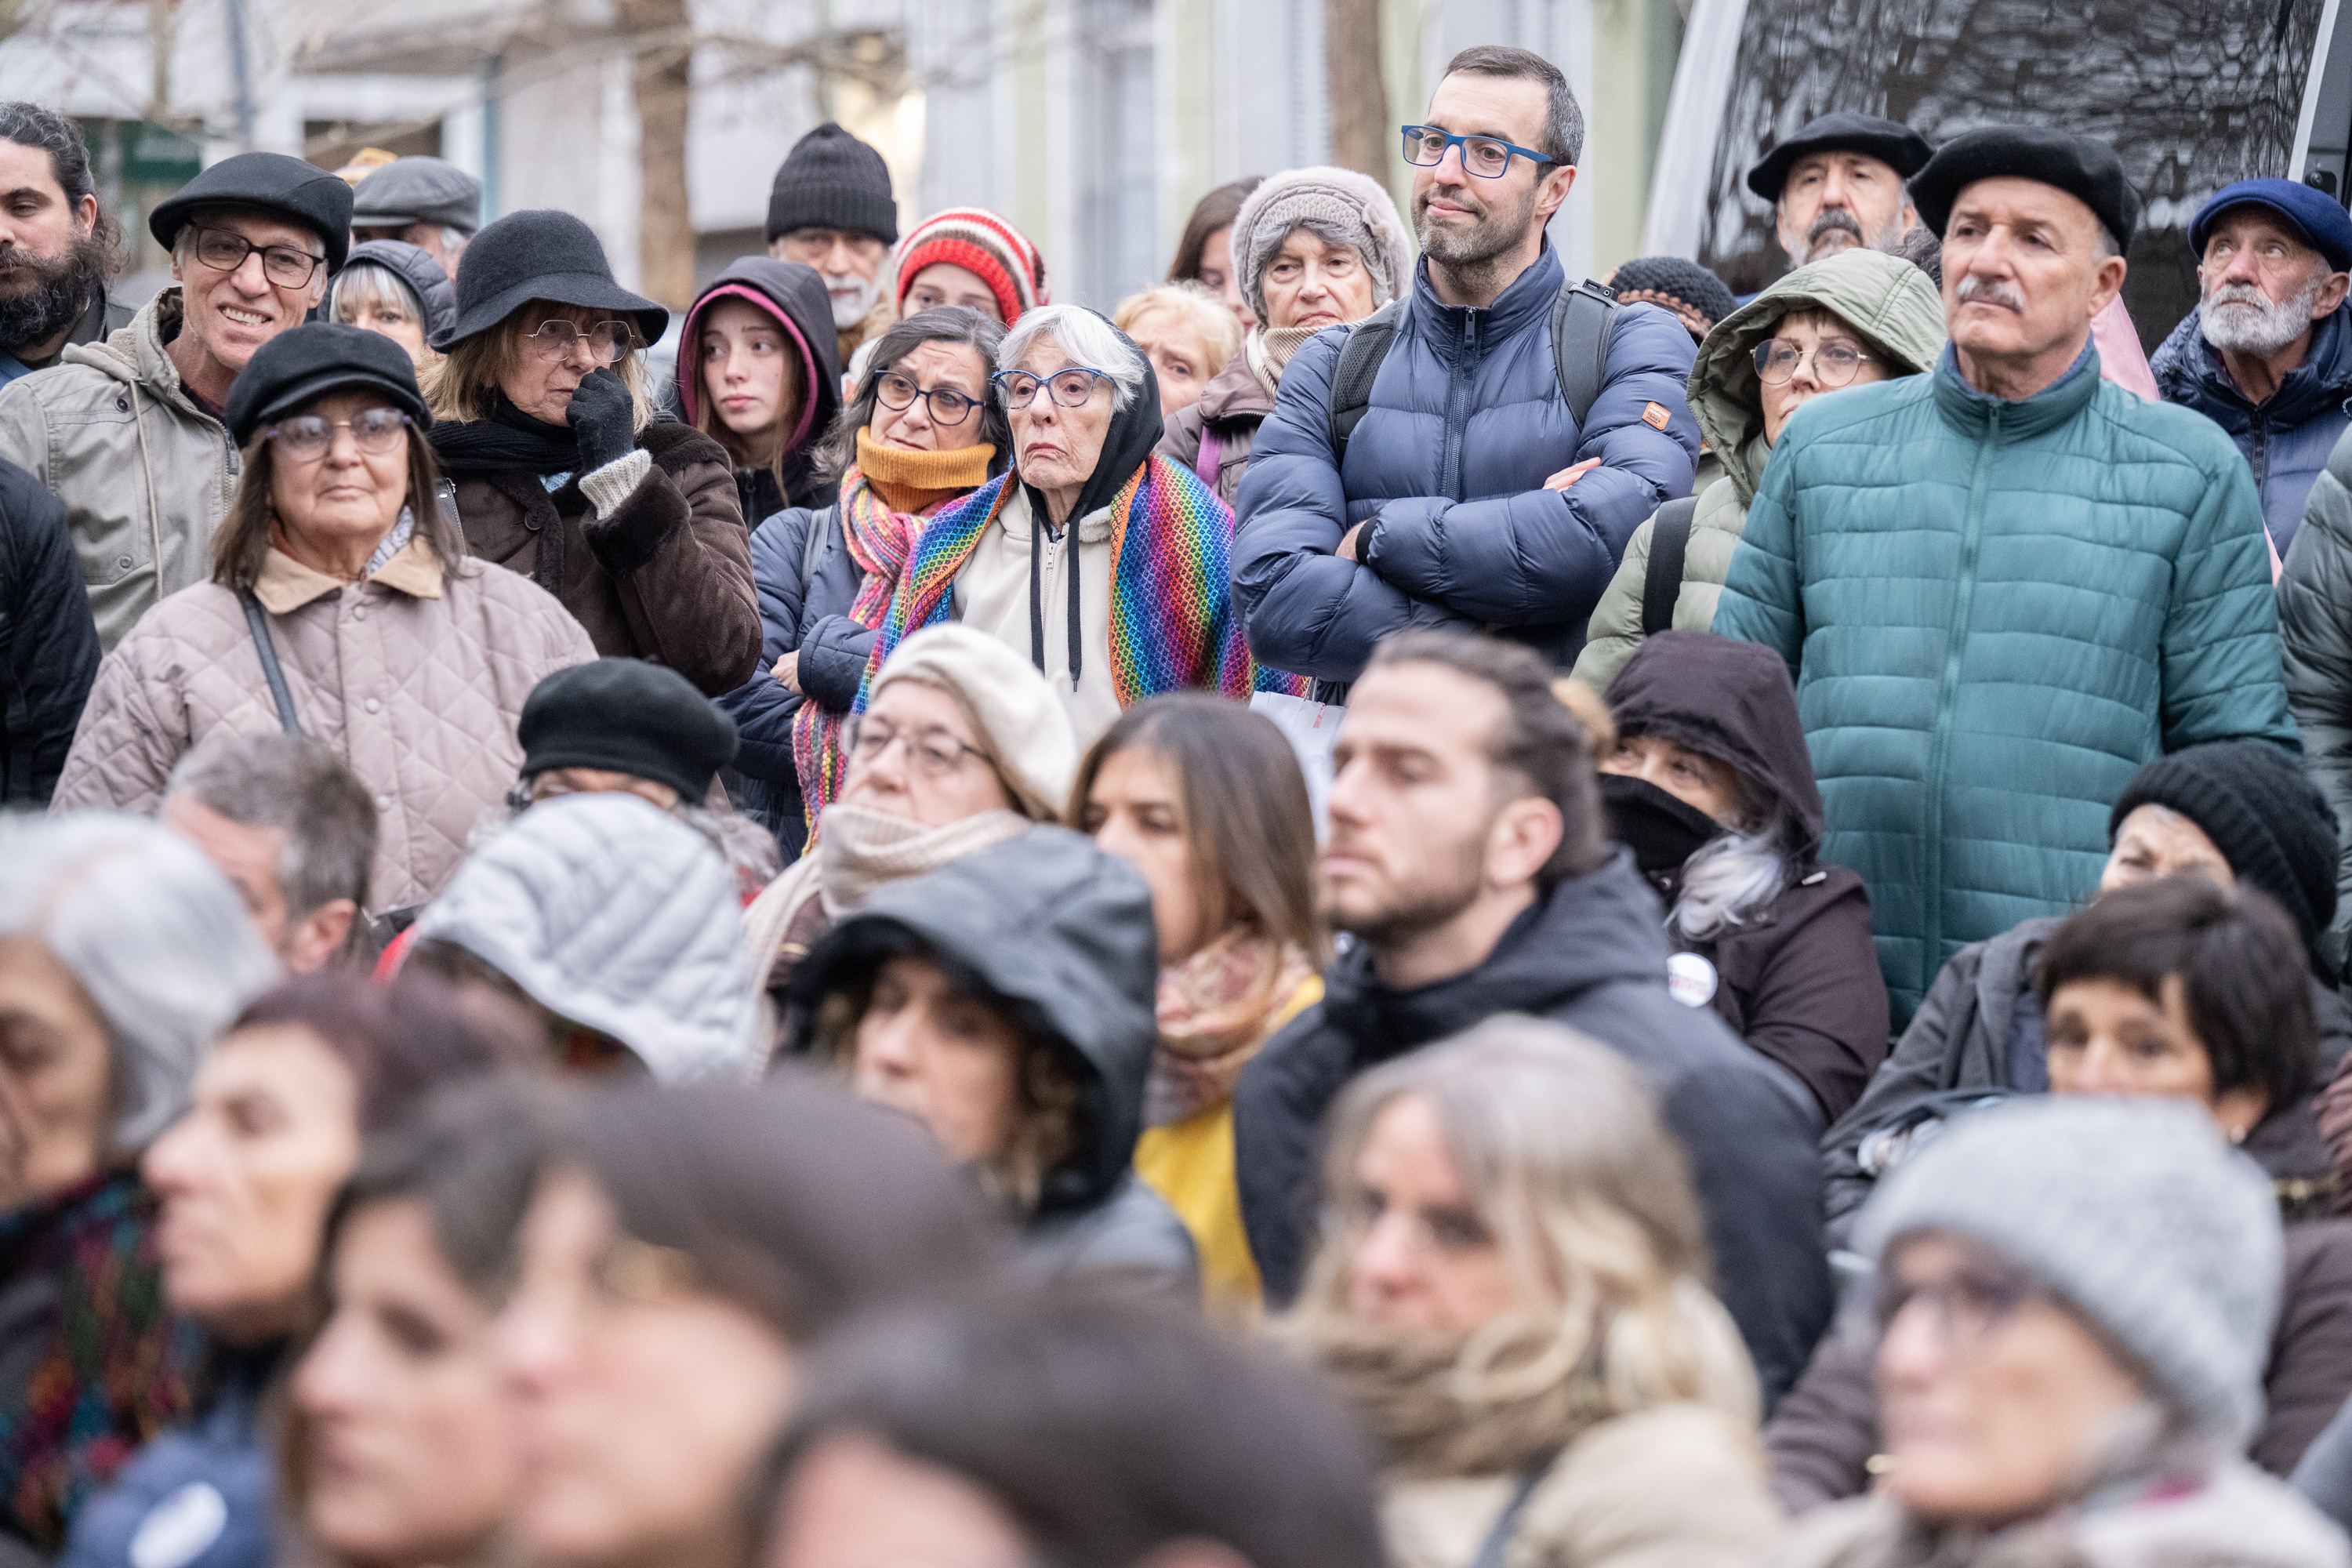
1661	583
1583	318
1497	1544
259	623
818	545
1368	345
1210	457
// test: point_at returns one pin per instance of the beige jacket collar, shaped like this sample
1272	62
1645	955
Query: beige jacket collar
286	584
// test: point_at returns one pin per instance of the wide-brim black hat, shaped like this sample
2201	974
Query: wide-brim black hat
301	193
302	364
540	255
2082	166
1898	146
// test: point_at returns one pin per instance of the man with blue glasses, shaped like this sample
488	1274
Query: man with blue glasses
1477	454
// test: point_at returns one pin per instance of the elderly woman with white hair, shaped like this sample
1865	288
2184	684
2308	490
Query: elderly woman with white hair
123	953
1102	564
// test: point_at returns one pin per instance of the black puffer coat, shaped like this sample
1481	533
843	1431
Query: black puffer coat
48	641
1050	931
1592	954
1798	978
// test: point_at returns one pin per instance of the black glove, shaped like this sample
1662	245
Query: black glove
603	419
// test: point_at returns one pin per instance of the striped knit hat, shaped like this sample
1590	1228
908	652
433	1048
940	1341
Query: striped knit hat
982	244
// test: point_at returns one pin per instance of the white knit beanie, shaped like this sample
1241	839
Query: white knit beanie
2136	1214
1023	726
1343	207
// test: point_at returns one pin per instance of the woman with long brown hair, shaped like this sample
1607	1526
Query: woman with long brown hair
343	605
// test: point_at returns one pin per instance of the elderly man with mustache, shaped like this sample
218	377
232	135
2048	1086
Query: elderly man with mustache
2003	586
1837	184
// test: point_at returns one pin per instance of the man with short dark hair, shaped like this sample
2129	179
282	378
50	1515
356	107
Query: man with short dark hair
1467	491
2267	353
2003	586
58	248
131	432
832	208
293	827
1468	855
430	202
1837	185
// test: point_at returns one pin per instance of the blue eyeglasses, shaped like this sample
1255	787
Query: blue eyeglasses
1484	156
1072	387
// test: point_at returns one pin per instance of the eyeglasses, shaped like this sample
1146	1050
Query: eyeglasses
1834	364
933	753
306	437
606	340
1072	388
1969	1304
1487	157
283	264
948	406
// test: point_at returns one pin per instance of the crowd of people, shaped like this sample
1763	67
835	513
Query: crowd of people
1376	907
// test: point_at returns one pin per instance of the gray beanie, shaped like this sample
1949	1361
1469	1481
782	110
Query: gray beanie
1343	207
2136	1214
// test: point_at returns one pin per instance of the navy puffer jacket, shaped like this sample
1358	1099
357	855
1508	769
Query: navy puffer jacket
1464	425
2286	440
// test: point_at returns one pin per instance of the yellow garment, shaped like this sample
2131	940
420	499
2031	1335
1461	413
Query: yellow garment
1190	1163
909	481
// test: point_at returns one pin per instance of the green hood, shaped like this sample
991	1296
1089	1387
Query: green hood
1887	302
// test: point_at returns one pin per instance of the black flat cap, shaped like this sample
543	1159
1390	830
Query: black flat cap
302	364
298	192
418	190
1898	146
627	716
2082	166
540	255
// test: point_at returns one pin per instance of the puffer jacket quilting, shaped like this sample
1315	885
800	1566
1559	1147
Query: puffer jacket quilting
2286	439
1464	425
419	695
1995	612
145	475
2314	609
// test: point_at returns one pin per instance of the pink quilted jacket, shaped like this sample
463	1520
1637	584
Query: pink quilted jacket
414	678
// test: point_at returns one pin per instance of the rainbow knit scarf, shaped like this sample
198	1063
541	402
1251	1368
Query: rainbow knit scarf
1172	624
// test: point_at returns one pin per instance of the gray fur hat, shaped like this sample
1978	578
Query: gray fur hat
2136	1215
1341	206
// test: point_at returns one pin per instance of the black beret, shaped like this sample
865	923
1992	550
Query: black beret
2082	166
627	716
304	364
298	192
1899	146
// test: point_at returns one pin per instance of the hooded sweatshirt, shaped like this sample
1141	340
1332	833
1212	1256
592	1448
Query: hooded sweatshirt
1890	306
1797	978
794	295
1058	935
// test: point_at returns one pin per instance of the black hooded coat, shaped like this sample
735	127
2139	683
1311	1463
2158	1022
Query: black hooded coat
795	296
1053	933
1797	979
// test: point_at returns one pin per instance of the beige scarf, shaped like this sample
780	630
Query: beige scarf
1270	347
1412	1395
1216	1010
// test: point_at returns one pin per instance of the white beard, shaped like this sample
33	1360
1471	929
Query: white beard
852	296
2258	326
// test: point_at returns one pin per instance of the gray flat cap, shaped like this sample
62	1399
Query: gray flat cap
418	190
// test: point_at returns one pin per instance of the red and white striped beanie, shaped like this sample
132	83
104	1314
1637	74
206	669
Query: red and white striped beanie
982	244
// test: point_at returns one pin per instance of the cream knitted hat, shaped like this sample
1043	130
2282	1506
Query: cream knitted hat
1341	206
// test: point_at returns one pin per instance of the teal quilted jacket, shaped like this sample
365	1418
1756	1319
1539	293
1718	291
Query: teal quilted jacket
1994	613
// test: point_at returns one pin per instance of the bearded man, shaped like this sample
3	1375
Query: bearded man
1470	494
58	248
1469	857
2267	354
832	208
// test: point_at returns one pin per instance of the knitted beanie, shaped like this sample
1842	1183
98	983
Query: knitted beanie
1343	207
984	244
2136	1213
2263	813
831	180
1021	723
1688	290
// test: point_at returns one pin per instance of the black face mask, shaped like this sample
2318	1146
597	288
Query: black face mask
1662	831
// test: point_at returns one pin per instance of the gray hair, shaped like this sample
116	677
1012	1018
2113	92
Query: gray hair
294	785
155	935
1083	335
367	283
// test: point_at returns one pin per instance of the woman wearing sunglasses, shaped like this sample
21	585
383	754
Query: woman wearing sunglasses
341	604
564	471
920	435
1853	319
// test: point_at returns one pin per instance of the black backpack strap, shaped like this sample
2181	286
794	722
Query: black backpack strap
1583	318
258	623
1662	584
1369	342
816	547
